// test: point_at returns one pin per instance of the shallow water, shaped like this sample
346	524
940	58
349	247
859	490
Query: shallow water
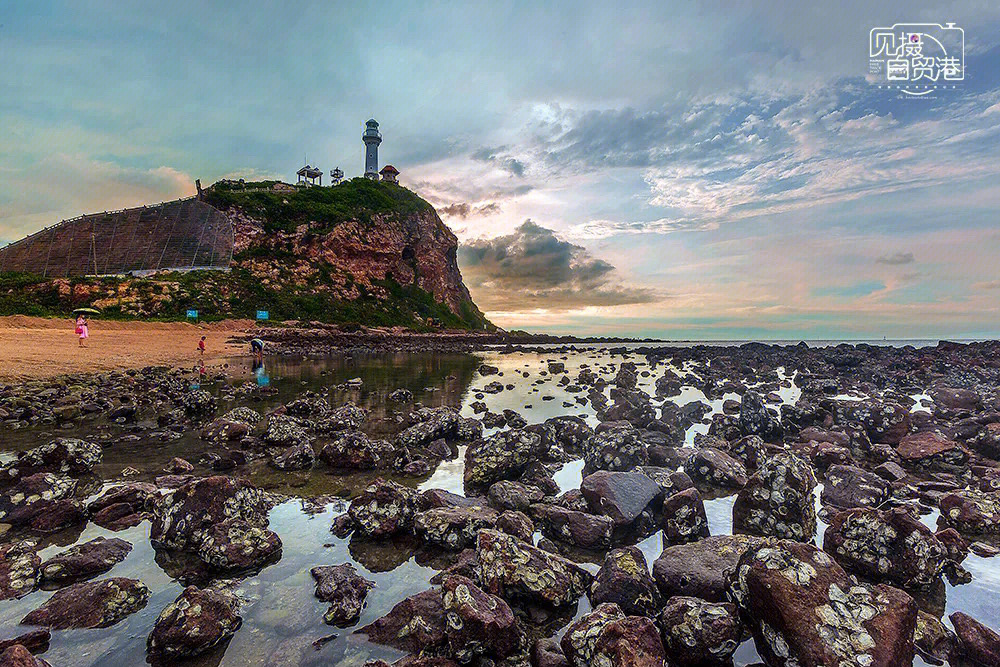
281	616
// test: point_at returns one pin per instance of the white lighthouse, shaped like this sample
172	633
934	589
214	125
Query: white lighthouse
372	139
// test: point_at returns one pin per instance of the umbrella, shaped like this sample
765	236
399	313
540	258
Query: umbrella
87	310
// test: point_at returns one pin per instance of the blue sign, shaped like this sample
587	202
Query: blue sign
193	314
262	315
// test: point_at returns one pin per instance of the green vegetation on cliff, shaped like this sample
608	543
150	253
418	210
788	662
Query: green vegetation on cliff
283	271
356	199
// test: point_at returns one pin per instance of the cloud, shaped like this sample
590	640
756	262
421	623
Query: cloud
532	268
505	162
464	210
989	284
896	258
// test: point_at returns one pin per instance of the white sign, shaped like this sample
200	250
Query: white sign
917	58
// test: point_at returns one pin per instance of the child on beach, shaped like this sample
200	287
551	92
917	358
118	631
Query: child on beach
82	329
201	346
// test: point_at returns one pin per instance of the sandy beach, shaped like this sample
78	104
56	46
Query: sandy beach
37	347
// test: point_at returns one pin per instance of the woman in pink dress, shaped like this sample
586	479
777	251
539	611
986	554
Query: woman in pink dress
82	329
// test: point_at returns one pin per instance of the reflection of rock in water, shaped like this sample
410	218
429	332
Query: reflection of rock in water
382	555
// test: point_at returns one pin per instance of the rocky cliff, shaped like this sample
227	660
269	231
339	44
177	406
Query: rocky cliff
363	252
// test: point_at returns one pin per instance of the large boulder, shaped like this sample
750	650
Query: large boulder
756	419
438	424
621	496
883	422
344	589
513	569
891	546
182	519
91	604
778	500
698	569
850	486
17	655
976	642
85	560
415	625
696	632
624	580
198	620
804	609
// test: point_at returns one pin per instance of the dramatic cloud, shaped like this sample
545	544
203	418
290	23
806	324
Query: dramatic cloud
463	210
532	268
505	162
896	259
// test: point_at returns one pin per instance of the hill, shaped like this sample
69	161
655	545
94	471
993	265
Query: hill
362	252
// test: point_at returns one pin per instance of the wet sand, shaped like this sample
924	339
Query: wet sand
36	347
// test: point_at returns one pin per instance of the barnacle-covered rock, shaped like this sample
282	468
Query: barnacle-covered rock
415	625
64	456
439	423
696	632
383	508
198	403
624	579
85	560
682	517
582	529
621	496
20	503
883	422
778	500
354	450
698	569
18	569
345	589
91	604
713	468
182	518
606	636
503	455
348	417
508	495
850	486
617	448
668	479
890	546
285	431
756	419
309	404
477	623
454	528
971	512
195	622
236	544
296	457
804	609
512	569
16	655
930	450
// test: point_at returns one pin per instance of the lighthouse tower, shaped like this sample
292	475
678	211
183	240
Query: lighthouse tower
372	139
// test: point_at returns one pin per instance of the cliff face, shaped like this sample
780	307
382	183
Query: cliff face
365	252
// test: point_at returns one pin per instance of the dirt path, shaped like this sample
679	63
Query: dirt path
35	347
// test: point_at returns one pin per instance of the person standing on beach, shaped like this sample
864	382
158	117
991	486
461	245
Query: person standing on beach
82	329
201	346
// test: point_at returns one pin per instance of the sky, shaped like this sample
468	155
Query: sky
709	170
